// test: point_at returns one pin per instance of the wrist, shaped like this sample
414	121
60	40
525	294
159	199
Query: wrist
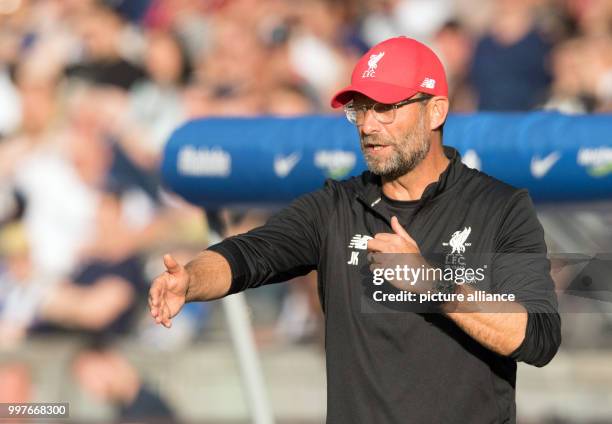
448	289
189	294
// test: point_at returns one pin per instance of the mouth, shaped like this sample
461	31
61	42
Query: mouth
376	148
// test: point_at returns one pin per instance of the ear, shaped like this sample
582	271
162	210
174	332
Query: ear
438	110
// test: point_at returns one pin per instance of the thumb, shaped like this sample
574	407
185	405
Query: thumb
171	265
399	230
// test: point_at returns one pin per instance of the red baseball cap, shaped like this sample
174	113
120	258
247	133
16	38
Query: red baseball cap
394	70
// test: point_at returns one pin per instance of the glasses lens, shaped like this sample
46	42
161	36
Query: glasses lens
351	113
384	113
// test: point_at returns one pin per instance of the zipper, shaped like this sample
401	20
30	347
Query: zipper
387	218
371	208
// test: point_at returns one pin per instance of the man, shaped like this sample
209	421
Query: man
385	366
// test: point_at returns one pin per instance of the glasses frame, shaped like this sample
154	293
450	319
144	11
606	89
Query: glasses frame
351	112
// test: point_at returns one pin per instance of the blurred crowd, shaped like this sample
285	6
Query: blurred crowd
90	90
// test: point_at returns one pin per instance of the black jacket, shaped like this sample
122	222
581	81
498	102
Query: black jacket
390	367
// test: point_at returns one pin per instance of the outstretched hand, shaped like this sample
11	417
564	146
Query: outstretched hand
168	292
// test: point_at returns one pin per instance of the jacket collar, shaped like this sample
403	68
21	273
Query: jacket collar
370	190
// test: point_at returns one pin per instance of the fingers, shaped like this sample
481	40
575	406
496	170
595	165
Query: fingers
155	296
383	260
385	236
157	303
162	315
166	321
158	294
399	230
171	265
376	245
385	242
154	310
374	260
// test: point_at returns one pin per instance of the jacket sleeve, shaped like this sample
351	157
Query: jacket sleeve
521	267
287	246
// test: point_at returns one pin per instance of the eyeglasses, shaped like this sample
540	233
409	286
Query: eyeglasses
383	112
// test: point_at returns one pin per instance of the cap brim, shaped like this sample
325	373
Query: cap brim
378	91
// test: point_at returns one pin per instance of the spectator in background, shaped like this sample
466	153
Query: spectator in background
35	162
289	100
16	384
582	61
22	289
454	45
101	295
599	57
133	10
9	103
593	18
317	51
229	89
156	104
420	19
101	30
60	196
188	19
38	127
105	374
509	70
10	45
569	92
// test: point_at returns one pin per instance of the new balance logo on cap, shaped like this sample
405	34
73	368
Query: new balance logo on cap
372	65
429	83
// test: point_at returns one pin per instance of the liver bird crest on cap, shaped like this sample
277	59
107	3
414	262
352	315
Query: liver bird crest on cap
372	65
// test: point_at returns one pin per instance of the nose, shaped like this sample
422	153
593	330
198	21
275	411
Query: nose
370	124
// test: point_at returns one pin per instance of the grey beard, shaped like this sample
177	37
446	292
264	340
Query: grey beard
409	153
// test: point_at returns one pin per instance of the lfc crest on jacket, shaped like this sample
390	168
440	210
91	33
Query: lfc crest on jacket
457	243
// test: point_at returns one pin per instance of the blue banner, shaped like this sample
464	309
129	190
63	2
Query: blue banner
265	161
